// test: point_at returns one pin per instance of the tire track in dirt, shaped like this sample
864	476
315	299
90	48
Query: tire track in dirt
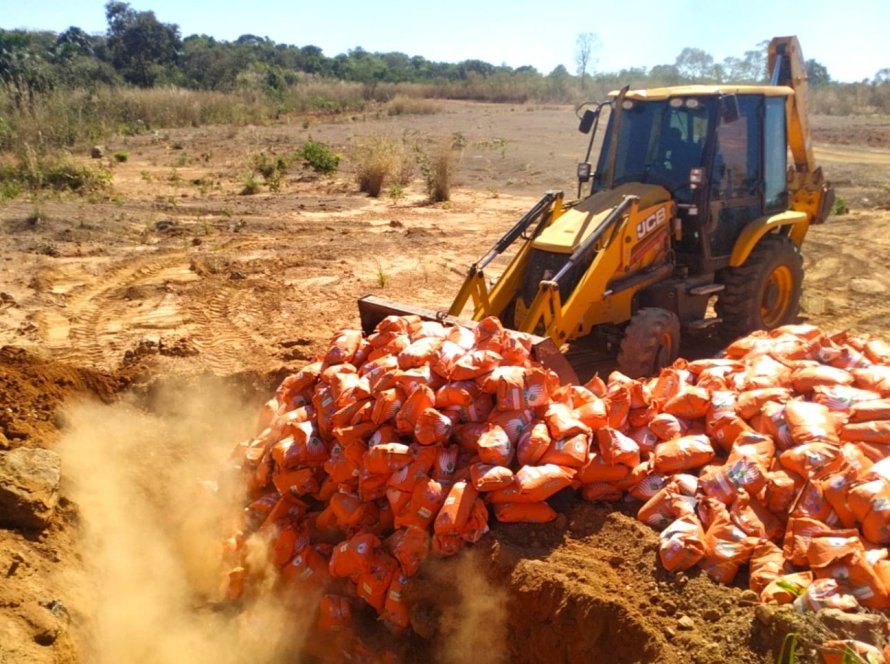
845	282
227	326
93	309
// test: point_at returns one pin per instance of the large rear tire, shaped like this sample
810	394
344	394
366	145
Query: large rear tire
764	293
651	342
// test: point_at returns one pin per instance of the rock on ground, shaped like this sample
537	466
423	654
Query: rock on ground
29	487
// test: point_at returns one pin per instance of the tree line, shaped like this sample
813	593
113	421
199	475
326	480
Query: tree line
138	49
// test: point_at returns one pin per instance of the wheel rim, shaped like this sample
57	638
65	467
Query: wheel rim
776	296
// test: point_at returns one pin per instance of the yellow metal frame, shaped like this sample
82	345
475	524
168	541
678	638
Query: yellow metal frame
755	230
492	303
594	301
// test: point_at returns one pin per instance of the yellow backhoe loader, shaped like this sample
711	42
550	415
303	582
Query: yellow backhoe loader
693	218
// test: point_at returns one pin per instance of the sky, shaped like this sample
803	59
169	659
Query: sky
848	37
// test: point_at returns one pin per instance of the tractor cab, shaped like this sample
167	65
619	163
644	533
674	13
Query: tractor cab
719	152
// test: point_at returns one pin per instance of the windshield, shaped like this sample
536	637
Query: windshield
660	141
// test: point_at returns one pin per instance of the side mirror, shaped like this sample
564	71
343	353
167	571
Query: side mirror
587	120
584	172
729	109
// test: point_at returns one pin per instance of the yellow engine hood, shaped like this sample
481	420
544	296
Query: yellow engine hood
575	224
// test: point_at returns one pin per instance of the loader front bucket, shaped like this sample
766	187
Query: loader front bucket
373	309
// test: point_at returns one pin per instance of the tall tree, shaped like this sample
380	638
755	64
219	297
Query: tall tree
694	63
143	49
586	46
817	73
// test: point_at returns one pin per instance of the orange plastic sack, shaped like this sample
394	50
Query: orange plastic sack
308	567
354	556
526	388
809	459
490	478
615	447
666	506
601	492
456	393
667	426
410	546
754	519
767	565
387	404
849	650
842	398
876	379
455	511
591	411
533	444
785	588
414	405
387	457
690	403
494	446
395	608
419	353
772	422
825	594
477	524
806	378
869	411
596	469
426	500
538	483
446	463
474	364
299	482
432	427
372	585
524	512
681	544
810	422
347	509
752	401
727	547
562	422
686	453
857	577
343	347
334	613
877	432
571	452
800	531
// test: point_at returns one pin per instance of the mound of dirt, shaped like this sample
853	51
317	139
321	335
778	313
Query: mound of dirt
588	587
32	390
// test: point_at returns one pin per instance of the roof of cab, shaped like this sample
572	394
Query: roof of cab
659	94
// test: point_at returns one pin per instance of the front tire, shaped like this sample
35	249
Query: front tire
764	293
651	342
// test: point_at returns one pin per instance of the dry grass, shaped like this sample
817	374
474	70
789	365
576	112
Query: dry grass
439	169
402	105
381	160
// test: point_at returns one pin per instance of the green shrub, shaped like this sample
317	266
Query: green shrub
251	186
121	156
319	157
840	206
56	174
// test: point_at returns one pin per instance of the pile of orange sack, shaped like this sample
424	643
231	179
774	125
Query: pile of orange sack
407	442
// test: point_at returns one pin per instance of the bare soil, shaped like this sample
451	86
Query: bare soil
175	273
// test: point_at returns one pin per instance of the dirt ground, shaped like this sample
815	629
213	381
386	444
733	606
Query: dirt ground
175	274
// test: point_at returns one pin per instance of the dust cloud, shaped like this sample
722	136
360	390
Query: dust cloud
474	627
153	518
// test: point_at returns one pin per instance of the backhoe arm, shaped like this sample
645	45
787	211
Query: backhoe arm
809	191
